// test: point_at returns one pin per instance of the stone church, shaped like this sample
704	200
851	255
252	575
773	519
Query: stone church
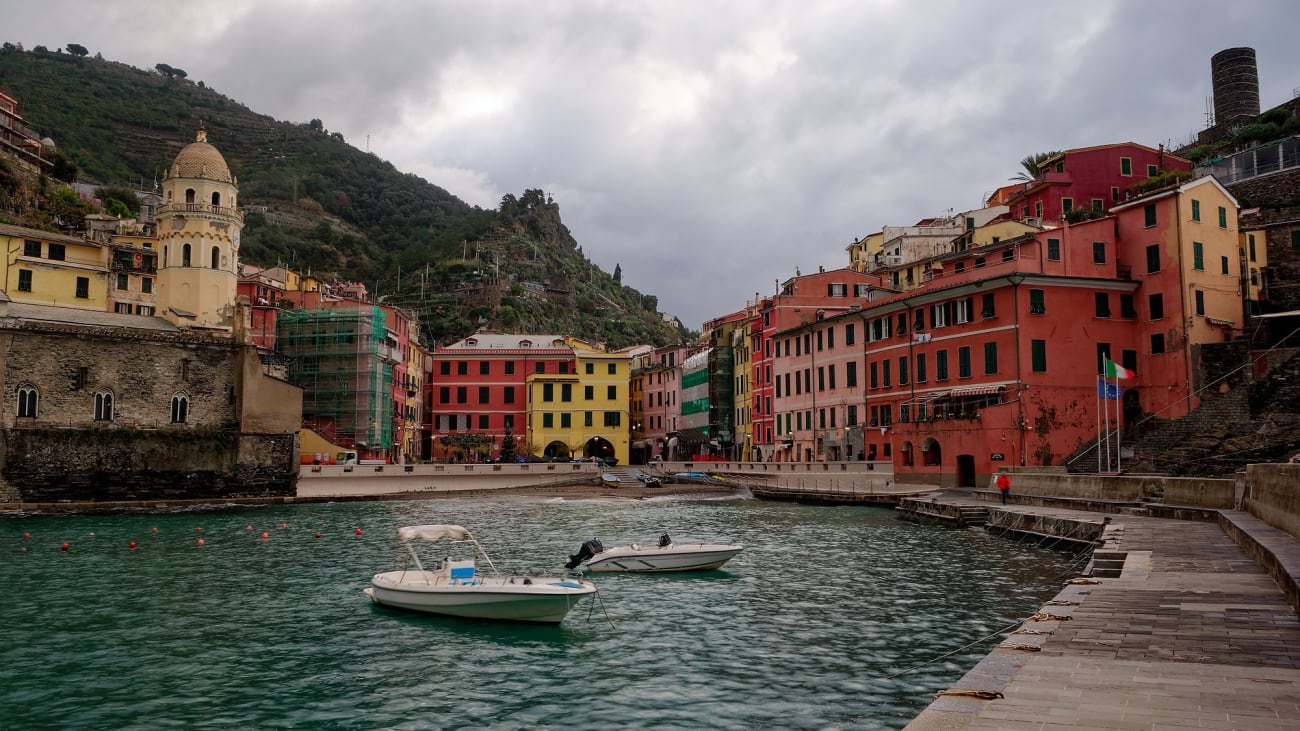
102	406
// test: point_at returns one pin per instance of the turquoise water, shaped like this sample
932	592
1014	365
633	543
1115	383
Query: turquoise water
801	630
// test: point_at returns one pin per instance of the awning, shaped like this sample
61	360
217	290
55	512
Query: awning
975	391
1217	321
779	447
693	436
640	444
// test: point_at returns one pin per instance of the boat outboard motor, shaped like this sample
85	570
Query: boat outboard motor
585	551
665	541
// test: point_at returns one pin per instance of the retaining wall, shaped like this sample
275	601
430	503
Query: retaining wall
1201	492
1272	494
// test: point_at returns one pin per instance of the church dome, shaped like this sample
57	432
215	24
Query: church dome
201	160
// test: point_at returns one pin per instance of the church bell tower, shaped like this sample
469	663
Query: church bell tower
198	231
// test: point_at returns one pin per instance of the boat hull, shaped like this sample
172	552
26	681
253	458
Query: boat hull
651	559
544	600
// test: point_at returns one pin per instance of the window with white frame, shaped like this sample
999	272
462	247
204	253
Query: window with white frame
180	408
28	401
104	405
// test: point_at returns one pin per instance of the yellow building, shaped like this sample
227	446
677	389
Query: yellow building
588	410
198	228
54	269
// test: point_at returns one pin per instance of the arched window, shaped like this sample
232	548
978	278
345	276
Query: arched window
180	408
189	195
907	454
104	405
216	199
931	453
185	255
28	399
216	257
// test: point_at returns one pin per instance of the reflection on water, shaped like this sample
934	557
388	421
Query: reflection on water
801	630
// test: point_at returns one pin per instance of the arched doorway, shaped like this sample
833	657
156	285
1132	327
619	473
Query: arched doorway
931	453
907	454
600	448
556	450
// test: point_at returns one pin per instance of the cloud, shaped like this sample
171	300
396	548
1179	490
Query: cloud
709	149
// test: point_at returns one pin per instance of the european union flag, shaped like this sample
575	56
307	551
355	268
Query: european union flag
1107	390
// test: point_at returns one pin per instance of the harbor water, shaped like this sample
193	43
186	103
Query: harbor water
805	629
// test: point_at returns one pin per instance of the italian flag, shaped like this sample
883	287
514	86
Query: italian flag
1117	371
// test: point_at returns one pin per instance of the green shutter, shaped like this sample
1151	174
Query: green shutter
1038	355
1198	256
990	358
1223	217
1196	210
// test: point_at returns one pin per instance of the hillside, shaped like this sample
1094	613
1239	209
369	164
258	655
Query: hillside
328	207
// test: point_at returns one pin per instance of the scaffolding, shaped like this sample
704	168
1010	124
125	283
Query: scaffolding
342	361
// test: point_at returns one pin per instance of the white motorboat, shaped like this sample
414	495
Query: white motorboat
667	556
458	589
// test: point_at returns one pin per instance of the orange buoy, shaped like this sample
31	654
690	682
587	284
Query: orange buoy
199	529
265	536
200	541
155	530
318	534
26	536
358	531
132	545
64	547
284	525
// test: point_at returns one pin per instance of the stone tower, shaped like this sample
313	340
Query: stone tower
1236	85
198	231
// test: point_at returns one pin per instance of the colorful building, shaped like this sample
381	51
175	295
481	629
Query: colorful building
1090	178
46	268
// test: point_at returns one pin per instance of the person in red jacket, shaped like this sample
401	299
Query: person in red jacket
1003	483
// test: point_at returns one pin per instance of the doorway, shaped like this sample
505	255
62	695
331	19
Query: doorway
965	470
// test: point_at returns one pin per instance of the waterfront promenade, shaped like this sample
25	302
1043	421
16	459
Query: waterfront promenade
1192	634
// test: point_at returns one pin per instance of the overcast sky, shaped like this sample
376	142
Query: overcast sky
709	148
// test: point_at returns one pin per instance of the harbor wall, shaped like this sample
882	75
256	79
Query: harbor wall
1272	494
1201	492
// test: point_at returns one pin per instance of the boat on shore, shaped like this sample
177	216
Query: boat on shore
457	588
609	479
665	557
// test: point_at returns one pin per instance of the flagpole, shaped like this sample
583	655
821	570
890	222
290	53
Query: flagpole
1118	466
1105	402
1098	412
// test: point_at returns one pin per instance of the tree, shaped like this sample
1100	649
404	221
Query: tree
171	71
124	198
508	453
77	49
618	274
1031	163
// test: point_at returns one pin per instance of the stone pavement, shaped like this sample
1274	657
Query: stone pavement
1193	634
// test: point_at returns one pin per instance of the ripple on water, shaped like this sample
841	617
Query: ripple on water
802	629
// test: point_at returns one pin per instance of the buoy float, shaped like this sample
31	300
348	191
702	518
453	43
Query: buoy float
132	545
199	529
284	525
155	530
64	547
200	541
92	534
318	534
265	536
358	531
249	527
26	536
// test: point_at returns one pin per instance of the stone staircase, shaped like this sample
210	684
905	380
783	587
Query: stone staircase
1108	564
1251	415
974	515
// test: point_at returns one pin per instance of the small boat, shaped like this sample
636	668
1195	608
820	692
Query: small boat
649	480
609	479
667	556
457	589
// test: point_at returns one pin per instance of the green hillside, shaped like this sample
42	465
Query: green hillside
329	207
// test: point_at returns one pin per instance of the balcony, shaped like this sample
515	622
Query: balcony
204	208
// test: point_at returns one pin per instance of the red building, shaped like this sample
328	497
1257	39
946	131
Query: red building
478	386
1092	178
